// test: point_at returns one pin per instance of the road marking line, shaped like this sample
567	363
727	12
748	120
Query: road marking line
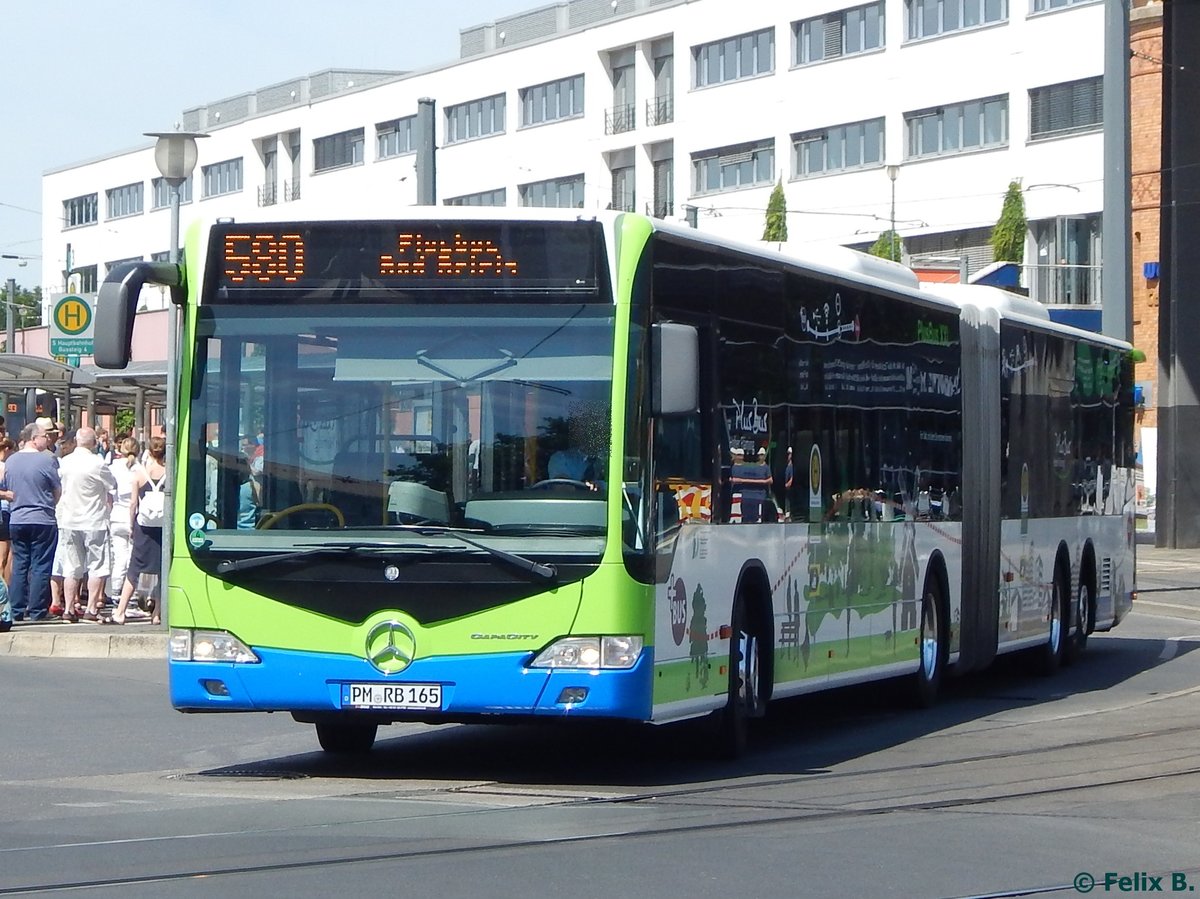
1171	646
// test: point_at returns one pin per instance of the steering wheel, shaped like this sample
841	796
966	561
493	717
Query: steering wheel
562	482
269	521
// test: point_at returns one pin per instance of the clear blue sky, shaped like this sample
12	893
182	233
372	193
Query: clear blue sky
84	78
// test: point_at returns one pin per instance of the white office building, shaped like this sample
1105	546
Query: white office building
683	109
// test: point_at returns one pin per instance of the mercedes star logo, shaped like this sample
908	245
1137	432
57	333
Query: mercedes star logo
391	647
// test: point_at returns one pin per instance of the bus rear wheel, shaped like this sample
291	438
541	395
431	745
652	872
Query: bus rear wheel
341	736
1083	611
931	646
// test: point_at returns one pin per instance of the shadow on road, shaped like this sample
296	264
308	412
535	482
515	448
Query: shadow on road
801	736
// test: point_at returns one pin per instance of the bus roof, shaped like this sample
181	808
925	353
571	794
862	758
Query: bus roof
1014	307
831	260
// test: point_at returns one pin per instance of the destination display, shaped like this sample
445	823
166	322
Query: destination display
411	255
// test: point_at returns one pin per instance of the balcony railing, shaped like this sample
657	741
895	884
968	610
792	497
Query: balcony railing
662	208
291	191
619	119
268	195
622	201
1063	285
660	111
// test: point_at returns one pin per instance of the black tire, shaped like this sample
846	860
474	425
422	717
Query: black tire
745	699
343	737
1083	613
1049	656
932	649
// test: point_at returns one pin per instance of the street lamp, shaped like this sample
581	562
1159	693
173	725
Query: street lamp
892	172
175	155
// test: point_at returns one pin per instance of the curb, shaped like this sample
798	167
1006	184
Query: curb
73	645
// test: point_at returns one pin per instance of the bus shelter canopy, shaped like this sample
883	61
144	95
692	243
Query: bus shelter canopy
18	373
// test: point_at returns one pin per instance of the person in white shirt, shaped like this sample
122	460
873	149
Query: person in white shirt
83	515
126	469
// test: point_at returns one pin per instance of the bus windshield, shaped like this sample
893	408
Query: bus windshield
492	418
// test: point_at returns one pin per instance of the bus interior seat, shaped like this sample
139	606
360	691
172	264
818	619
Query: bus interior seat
413	503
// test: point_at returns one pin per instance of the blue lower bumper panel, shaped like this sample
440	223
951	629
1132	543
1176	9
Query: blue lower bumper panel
494	684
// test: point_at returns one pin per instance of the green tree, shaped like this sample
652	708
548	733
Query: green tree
1008	237
123	422
27	307
888	246
776	227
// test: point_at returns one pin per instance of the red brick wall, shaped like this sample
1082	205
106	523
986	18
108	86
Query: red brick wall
1145	123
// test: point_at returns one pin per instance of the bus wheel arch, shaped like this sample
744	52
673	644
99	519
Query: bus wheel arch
1083	607
933	640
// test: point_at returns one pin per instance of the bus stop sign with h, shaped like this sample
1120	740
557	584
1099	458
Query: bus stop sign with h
72	321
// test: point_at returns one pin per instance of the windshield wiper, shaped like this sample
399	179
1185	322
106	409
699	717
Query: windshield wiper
314	549
548	572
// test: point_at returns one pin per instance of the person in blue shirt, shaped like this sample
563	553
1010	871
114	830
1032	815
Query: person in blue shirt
32	484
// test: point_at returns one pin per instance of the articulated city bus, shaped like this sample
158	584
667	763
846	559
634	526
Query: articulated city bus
485	465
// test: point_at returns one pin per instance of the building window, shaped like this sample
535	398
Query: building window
222	177
661	110
395	137
738	57
1066	108
957	128
554	100
83	210
478	118
623	198
929	17
1068	250
1043	5
497	197
161	256
162	192
743	165
88	278
337	151
124	200
838	149
664	188
564	193
835	34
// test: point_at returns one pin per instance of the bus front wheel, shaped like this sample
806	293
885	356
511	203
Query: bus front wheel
745	686
341	736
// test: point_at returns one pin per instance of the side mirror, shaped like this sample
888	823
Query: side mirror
116	307
675	364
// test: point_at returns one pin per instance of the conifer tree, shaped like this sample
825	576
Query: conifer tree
776	227
1008	237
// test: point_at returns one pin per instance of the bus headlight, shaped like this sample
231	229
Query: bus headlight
186	645
590	653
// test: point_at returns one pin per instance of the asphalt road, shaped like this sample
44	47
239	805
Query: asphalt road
1012	785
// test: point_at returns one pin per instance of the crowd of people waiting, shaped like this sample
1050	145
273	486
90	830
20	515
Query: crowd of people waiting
80	525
